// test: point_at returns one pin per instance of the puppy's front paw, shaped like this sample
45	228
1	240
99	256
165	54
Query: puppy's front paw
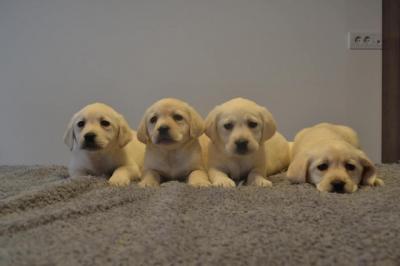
199	183
119	180
223	182
148	183
374	182
262	182
378	182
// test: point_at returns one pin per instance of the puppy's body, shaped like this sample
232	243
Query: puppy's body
277	154
104	162
175	164
329	157
114	150
273	157
322	133
170	129
230	127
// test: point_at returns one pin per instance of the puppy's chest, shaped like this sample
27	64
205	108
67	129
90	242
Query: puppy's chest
240	169
100	165
174	165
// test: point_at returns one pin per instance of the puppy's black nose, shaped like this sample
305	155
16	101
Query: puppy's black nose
338	186
241	145
89	137
163	129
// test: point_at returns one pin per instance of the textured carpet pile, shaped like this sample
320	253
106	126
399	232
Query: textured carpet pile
47	219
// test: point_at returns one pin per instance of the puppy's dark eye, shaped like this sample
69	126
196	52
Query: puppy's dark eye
228	126
104	123
177	117
323	166
153	119
81	124
252	124
350	167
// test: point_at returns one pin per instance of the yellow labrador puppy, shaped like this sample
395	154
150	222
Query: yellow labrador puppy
329	157
171	128
102	143
239	130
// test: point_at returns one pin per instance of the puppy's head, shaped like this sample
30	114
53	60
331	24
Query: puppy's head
96	127
240	126
170	123
334	167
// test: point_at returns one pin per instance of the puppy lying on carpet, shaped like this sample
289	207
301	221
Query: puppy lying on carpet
244	144
102	143
329	157
171	128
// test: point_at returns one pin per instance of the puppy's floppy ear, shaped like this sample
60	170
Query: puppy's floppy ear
269	124
211	124
124	131
298	169
142	133
196	123
69	135
368	177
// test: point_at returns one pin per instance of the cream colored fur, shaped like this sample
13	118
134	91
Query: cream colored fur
178	156
338	148
267	153
117	154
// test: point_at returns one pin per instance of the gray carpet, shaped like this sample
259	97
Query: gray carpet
46	219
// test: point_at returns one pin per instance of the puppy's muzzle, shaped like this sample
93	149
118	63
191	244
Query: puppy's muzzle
163	130
242	146
163	135
90	141
338	186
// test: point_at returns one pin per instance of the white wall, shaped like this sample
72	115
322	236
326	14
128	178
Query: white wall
58	55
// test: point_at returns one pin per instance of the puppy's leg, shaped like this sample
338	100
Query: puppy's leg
122	176
150	179
198	178
257	179
220	179
375	182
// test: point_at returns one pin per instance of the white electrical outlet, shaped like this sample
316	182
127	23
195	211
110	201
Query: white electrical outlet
365	41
